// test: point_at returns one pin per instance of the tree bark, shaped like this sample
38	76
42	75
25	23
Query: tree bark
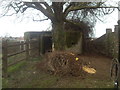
59	36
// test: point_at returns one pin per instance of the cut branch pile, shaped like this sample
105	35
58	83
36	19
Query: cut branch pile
63	63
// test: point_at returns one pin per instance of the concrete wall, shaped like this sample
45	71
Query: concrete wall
73	41
41	39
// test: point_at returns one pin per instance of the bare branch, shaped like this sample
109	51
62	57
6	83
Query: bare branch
11	14
49	9
38	6
67	8
98	18
85	7
40	20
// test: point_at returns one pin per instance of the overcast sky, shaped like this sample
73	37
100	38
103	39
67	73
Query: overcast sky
11	25
8	26
109	22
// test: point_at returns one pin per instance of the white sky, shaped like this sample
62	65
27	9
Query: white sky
9	25
110	22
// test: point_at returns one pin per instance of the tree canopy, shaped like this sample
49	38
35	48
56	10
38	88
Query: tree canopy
55	10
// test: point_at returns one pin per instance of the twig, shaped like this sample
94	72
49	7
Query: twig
40	20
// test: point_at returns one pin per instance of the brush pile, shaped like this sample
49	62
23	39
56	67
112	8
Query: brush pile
63	63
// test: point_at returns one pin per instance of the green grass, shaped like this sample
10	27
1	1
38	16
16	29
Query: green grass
0	60
16	67
36	59
87	83
15	58
26	76
0	55
11	70
42	81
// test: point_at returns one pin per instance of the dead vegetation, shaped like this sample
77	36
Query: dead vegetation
63	63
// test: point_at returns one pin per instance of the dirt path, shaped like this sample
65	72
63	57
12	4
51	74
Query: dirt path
100	63
101	79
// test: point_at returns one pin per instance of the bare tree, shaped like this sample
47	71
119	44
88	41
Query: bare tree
60	13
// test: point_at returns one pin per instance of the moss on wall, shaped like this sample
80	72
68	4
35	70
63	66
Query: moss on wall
72	38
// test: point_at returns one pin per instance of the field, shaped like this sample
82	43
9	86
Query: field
26	74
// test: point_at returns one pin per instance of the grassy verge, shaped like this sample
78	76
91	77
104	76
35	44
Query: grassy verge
25	75
36	59
16	67
16	58
20	71
11	69
42	80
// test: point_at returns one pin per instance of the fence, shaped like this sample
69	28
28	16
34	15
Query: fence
26	47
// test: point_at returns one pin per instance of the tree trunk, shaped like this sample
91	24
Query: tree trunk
59	37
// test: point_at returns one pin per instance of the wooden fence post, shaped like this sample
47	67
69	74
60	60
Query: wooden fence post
41	44
27	49
38	45
21	46
4	57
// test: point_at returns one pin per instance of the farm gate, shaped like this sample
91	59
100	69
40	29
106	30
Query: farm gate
14	52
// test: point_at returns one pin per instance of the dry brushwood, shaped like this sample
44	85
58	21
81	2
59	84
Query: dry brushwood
64	63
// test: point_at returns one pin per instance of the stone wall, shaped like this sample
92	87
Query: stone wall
108	43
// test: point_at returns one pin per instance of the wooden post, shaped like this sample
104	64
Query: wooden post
4	57
27	49
21	46
41	44
38	45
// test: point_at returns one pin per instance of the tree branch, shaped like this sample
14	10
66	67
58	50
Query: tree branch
48	7
38	6
85	7
67	8
40	20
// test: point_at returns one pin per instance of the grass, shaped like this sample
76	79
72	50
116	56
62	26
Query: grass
17	72
0	71
42	81
36	59
0	60
0	55
25	75
87	83
16	58
16	67
11	70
